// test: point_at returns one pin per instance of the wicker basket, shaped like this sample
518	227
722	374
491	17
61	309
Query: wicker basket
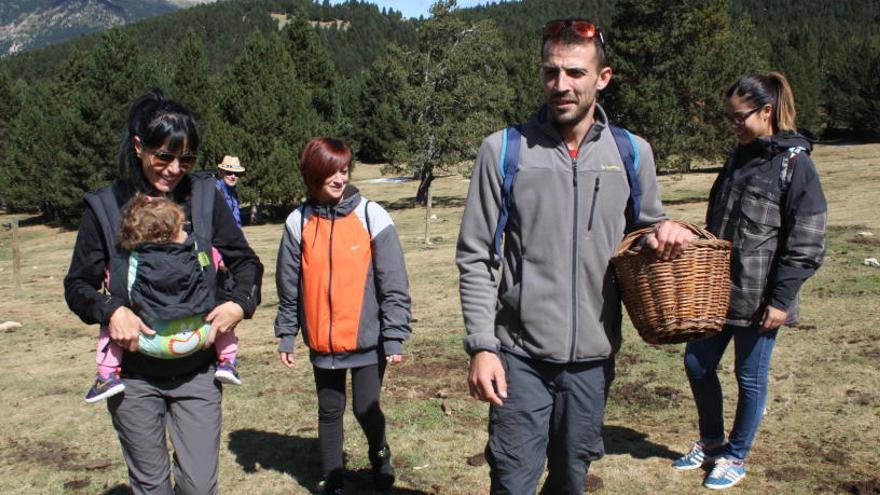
679	300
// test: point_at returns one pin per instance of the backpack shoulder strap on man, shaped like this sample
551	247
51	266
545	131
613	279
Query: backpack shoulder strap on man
629	153
508	165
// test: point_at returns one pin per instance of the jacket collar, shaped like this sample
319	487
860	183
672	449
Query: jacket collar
351	197
541	119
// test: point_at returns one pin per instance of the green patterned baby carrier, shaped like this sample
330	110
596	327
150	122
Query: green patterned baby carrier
178	337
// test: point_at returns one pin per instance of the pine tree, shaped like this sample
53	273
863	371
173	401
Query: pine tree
266	117
672	61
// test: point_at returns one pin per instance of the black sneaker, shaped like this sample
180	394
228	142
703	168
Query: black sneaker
383	471
332	484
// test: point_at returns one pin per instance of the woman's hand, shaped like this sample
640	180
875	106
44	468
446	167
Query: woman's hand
394	359
286	358
223	318
773	319
125	328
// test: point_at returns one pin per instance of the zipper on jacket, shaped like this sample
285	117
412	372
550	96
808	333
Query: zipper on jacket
330	287
593	205
574	260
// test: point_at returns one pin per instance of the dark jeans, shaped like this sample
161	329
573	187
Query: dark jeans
189	408
366	382
553	412
753	352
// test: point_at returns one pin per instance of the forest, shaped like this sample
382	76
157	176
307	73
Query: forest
263	77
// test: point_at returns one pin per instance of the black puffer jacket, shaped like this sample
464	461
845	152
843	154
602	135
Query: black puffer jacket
769	203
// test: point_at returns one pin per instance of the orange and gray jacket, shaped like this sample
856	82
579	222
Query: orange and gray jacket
555	298
341	278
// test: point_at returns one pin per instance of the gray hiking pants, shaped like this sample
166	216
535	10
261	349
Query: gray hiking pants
553	412
189	407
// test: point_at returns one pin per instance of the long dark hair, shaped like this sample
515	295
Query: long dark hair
772	88
155	120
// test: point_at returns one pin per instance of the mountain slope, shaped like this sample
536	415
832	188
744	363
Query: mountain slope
30	24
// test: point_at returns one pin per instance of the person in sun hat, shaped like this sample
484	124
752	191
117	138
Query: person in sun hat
229	170
543	312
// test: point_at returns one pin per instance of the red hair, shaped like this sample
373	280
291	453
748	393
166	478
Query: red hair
321	158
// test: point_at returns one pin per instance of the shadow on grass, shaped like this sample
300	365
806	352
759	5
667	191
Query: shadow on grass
120	489
297	457
623	440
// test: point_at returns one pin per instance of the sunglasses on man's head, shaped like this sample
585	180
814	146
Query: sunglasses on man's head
581	27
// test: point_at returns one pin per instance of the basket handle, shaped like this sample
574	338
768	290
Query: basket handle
634	236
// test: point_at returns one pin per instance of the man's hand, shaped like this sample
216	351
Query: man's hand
773	319
486	378
286	358
223	318
669	240
125	328
394	359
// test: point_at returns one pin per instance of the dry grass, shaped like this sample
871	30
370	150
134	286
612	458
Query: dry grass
820	433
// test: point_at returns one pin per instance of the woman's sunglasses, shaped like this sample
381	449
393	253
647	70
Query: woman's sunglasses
166	157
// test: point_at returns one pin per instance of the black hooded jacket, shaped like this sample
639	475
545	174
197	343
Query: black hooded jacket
769	203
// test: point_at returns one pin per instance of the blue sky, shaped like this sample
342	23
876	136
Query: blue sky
415	8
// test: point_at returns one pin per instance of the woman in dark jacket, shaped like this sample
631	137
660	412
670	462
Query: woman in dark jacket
341	278
158	151
768	202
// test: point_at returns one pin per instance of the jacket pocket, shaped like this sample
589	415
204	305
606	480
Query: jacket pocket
760	220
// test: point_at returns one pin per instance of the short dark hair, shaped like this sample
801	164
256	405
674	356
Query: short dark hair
569	35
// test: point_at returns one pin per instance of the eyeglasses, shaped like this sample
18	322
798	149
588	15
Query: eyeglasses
233	174
581	27
186	161
740	118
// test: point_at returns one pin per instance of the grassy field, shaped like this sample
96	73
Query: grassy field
821	432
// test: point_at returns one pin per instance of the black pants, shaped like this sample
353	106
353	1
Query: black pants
365	385
553	412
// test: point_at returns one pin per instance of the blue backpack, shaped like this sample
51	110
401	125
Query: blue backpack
509	167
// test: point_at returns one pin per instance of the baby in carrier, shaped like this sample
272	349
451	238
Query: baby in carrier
166	287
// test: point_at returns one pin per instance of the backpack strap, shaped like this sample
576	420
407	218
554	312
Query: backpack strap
629	153
103	203
202	211
367	219
508	165
788	161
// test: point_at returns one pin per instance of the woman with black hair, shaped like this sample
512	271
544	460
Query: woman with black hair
768	202
156	154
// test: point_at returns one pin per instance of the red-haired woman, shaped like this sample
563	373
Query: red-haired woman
341	278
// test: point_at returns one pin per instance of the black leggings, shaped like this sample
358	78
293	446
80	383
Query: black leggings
365	385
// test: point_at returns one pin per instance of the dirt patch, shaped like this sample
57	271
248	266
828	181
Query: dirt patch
476	460
593	483
859	397
77	484
427	379
865	241
54	454
828	453
637	394
869	487
872	354
787	473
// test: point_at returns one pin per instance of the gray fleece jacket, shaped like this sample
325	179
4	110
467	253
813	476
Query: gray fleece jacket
555	298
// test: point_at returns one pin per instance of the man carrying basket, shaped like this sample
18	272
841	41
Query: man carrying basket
542	310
